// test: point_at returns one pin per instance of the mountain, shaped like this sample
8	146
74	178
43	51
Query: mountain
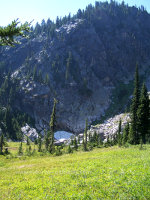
86	62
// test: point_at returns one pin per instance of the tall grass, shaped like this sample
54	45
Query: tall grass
106	173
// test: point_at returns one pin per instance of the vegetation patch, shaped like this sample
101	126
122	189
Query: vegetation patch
108	173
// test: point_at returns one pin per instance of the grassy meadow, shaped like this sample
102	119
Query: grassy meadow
104	173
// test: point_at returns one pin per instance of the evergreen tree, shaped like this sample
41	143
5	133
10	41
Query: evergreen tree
20	150
75	144
85	136
35	76
69	149
85	131
125	134
131	137
95	138
8	34
57	22
78	139
28	141
119	133
133	110
99	141
39	143
40	78
143	114
69	63
90	137
2	143
47	80
52	126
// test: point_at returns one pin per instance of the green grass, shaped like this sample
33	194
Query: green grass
106	173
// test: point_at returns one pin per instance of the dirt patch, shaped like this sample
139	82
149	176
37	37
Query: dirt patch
23	166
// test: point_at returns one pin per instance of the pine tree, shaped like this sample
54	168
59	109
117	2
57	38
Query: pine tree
143	114
85	136
28	141
119	133
85	131
47	80
75	144
95	138
20	150
40	78
2	143
69	63
99	140
133	110
8	34
35	75
52	125
78	139
69	149
90	137
131	137
39	143
125	134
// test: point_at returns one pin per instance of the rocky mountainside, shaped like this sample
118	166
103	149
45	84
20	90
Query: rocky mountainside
87	63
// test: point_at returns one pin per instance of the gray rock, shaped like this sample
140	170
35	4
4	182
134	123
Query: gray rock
29	132
110	126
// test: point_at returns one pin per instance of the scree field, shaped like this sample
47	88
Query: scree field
106	173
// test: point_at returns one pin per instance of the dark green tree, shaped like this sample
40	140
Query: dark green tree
68	66
28	141
20	150
95	138
52	125
40	78
99	140
75	144
119	136
35	75
39	143
2	143
69	150
143	114
78	139
133	110
85	136
125	134
47	80
131	136
9	33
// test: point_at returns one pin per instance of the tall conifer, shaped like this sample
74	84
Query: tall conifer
143	114
119	137
52	125
85	136
2	143
133	110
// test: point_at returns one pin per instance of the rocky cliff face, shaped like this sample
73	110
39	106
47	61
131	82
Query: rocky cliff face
81	97
90	66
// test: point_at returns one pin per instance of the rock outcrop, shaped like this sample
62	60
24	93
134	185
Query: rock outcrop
110	126
29	132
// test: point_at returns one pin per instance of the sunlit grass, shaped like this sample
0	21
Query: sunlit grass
107	173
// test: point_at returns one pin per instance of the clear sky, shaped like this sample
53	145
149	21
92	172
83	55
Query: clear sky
28	10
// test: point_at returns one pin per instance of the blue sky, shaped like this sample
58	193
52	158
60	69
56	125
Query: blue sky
28	10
